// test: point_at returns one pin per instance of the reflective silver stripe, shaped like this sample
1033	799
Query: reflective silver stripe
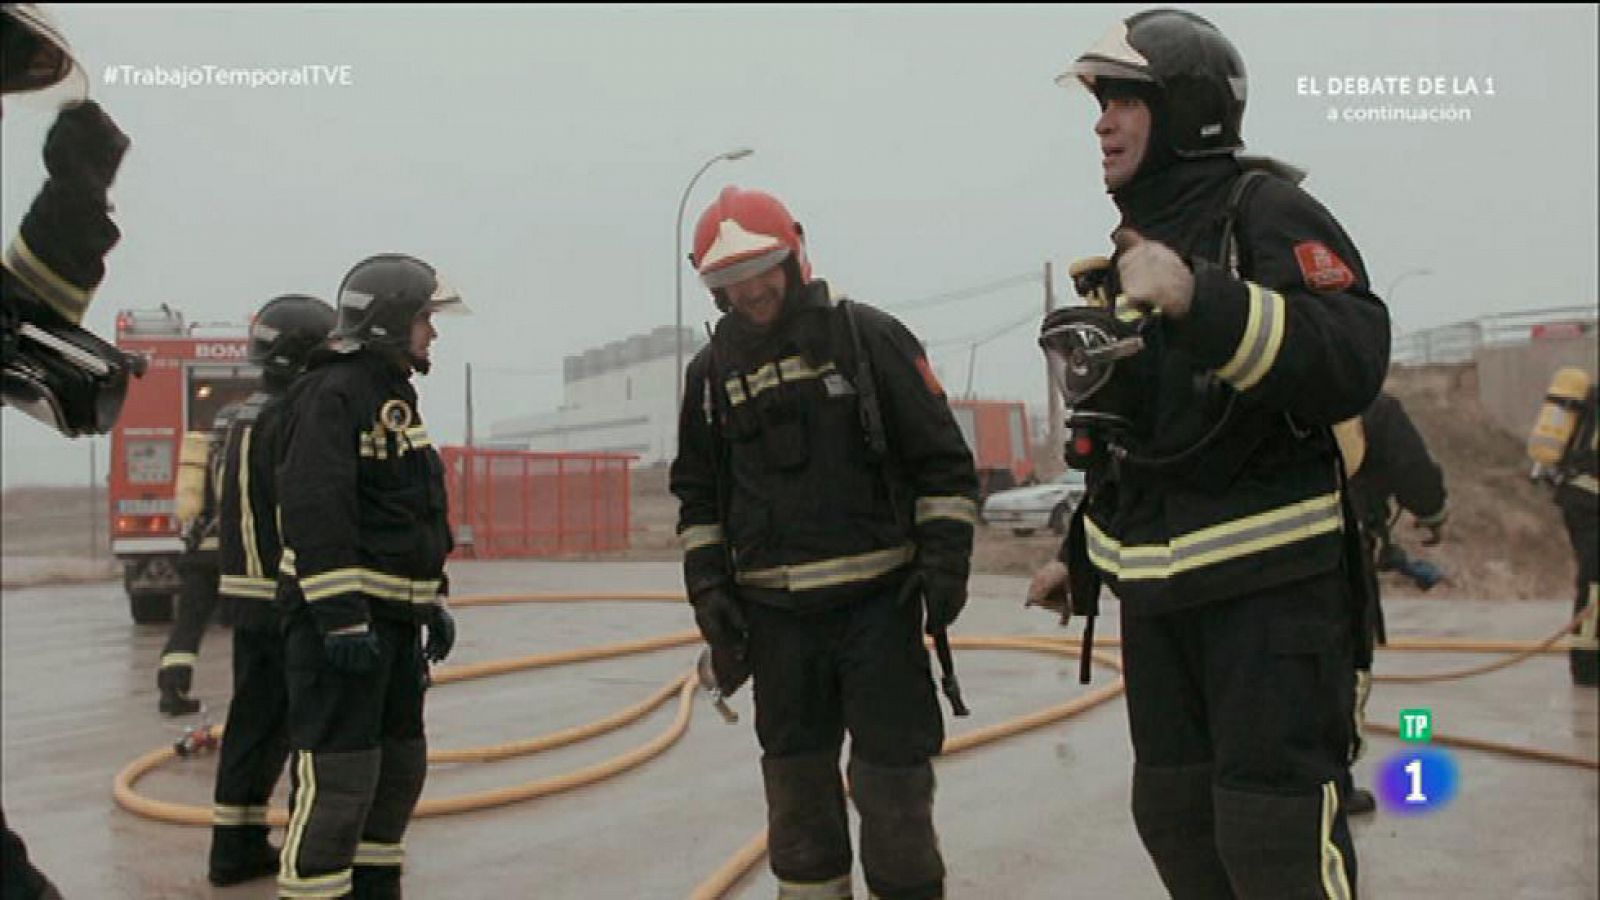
829	572
247	519
210	543
1363	691
374	446
305	797
1586	483
1218	543
63	296
222	814
286	561
369	853
961	509
696	536
367	581
833	889
792	368
1263	338
1335	882
248	588
320	887
415	439
175	660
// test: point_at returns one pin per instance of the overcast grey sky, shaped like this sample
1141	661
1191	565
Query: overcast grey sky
536	155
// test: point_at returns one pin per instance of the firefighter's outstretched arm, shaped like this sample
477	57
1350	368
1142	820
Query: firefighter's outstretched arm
317	493
934	459
1305	335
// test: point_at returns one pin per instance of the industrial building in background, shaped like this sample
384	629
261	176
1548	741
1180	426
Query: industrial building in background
616	399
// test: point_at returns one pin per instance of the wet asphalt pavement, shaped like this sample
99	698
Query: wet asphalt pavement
1042	815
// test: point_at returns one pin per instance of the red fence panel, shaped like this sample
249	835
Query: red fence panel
509	503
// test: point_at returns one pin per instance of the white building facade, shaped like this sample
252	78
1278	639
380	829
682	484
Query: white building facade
618	398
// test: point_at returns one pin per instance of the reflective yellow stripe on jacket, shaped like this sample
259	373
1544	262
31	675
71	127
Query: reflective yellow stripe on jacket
792	368
248	588
959	509
829	572
1216	544
369	582
696	536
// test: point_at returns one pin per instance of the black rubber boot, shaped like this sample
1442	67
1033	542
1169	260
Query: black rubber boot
375	883
1360	803
241	853
174	684
1172	812
808	830
899	846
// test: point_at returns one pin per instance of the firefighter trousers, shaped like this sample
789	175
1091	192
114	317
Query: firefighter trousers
255	742
1241	718
358	761
861	668
198	578
1584	531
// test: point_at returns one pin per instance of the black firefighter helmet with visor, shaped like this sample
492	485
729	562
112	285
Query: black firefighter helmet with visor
285	332
381	297
1197	74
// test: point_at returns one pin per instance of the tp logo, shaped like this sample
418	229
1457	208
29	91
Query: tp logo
1420	779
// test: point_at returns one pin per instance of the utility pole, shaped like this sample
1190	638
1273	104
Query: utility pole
1054	412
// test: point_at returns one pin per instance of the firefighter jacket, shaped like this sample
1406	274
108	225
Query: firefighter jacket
361	494
248	508
783	490
1393	462
1576	487
1233	484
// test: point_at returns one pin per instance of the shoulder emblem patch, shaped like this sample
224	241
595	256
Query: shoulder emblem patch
396	415
1322	269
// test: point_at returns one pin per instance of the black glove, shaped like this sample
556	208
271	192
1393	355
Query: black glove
441	634
945	594
721	620
84	147
355	652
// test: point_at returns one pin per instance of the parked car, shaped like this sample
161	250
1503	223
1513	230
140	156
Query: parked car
1026	509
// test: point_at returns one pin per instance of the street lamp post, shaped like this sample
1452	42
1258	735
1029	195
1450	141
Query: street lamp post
1388	296
677	265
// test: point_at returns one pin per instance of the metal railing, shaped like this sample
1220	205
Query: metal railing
1459	342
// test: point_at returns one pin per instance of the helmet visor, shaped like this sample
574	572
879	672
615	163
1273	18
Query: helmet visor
1111	57
445	300
36	58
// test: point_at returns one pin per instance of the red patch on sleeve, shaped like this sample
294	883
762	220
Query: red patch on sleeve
1322	269
928	378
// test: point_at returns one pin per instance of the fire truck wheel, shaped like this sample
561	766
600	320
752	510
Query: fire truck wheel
151	607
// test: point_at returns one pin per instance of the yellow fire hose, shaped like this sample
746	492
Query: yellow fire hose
735	868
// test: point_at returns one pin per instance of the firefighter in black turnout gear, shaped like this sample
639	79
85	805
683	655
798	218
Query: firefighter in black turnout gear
1387	463
255	743
826	499
1577	493
199	575
51	368
361	494
1241	327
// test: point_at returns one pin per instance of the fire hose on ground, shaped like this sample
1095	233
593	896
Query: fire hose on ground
684	687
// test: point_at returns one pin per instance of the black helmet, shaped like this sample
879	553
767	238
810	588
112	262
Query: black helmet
34	54
1198	73
285	332
380	297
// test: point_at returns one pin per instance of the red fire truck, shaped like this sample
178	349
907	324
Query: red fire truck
997	434
194	371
